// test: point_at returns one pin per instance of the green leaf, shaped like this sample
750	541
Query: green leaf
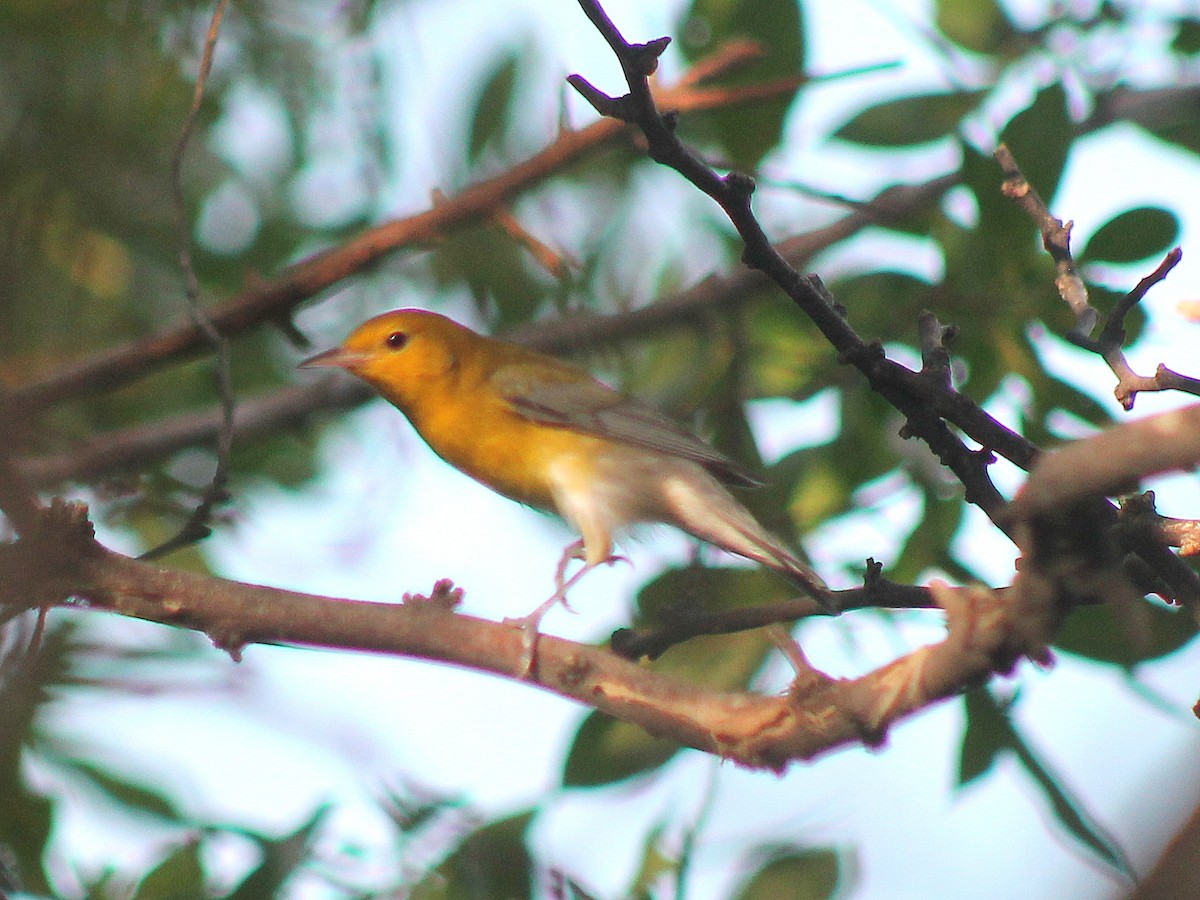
910	120
986	735
1003	237
1127	635
1187	39
1071	814
494	110
506	286
707	588
819	486
786	353
24	833
281	857
606	750
747	131
492	862
178	877
978	25
1040	137
1134	235
26	688
129	794
989	731
657	863
791	874
884	303
928	544
1051	395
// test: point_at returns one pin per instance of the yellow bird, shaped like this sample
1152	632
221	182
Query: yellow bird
548	435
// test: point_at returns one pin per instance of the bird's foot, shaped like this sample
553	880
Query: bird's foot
529	626
530	623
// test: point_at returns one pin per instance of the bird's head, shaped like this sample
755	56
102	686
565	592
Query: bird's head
399	352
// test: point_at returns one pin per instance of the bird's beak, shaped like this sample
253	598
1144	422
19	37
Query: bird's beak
337	358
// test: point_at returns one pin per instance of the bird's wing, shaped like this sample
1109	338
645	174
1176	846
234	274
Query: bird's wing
583	404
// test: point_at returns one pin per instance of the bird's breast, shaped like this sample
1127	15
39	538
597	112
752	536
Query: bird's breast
496	447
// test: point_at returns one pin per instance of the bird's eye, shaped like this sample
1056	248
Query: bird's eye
396	340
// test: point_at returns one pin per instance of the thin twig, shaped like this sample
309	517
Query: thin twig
1056	238
935	357
686	621
196	526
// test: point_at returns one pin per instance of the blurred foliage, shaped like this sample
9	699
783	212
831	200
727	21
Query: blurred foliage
990	733
293	146
789	874
745	135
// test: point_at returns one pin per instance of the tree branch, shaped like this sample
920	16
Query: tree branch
732	192
60	560
688	620
1056	238
273	300
928	404
142	445
18	502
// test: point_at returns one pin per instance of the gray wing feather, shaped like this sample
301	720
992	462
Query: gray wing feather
593	408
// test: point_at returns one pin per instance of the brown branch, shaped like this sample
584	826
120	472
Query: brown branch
142	445
18	501
1181	533
61	559
273	300
1064	485
557	263
1113	461
138	447
1056	238
1139	510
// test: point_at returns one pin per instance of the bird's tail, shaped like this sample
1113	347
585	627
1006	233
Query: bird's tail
702	507
776	556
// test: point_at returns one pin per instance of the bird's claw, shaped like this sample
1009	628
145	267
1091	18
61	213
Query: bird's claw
529	626
562	584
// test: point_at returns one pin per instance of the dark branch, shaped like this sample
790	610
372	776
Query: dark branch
733	192
686	621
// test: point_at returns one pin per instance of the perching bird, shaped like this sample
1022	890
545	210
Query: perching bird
546	434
